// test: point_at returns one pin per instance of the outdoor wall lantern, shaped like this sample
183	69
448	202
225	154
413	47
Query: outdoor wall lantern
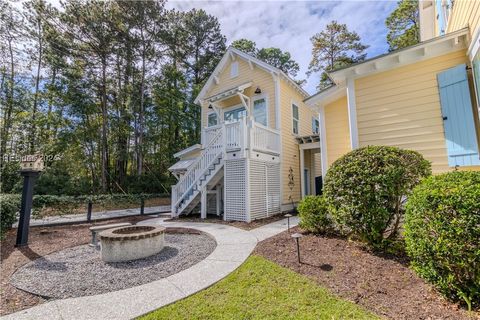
258	90
30	168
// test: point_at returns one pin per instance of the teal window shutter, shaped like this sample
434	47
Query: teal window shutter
458	122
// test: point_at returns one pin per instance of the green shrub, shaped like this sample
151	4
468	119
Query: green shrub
365	190
442	233
9	206
313	214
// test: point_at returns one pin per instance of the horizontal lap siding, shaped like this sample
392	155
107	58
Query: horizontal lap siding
401	107
465	13
259	77
337	129
290	151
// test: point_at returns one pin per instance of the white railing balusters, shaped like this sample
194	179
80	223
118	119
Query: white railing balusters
265	139
190	179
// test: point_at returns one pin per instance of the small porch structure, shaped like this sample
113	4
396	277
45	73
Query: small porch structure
310	164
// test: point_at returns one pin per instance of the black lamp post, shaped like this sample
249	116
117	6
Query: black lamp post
288	216
31	167
297	237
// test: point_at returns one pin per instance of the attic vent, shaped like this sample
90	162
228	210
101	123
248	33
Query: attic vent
234	69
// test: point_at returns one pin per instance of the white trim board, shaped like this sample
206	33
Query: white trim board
425	50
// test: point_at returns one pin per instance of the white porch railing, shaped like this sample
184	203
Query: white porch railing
235	135
209	133
265	139
210	154
244	135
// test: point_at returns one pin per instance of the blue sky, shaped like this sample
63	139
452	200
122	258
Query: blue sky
290	24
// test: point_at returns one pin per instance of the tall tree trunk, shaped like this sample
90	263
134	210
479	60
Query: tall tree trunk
33	126
104	158
9	106
141	114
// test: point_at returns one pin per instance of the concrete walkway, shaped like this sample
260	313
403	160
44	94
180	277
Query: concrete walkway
233	248
99	215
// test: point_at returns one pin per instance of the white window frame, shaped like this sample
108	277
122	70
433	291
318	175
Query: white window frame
267	108
293	118
315	125
234	69
237	106
208	115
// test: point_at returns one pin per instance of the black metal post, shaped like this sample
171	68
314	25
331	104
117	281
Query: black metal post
89	211
288	224
142	206
298	249
29	178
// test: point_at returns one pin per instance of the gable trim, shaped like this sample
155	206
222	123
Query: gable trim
232	53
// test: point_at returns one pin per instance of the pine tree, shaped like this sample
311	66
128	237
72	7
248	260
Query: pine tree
333	48
404	25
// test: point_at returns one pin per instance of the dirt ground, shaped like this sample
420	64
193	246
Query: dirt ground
382	284
242	225
42	241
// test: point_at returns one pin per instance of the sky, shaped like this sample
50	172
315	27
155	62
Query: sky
289	25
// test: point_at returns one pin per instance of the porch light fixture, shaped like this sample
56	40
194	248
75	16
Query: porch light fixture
297	237
258	91
210	106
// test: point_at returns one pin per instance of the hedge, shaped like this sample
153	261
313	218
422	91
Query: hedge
313	213
442	234
365	190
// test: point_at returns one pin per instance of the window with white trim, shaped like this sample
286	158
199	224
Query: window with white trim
315	125
234	69
295	117
260	111
212	119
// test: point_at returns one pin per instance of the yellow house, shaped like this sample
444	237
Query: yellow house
422	98
248	163
266	143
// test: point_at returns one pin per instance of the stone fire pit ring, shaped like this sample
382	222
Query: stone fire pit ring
131	242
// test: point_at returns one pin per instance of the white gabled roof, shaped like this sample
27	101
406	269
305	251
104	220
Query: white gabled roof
181	165
232	53
424	50
186	151
326	96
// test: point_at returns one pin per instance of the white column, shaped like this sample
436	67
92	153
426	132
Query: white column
302	169
203	203
352	113
219	202
323	141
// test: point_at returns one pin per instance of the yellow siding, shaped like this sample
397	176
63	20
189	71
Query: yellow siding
465	13
259	77
337	130
401	107
290	150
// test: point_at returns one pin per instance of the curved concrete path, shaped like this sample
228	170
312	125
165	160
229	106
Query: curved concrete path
233	248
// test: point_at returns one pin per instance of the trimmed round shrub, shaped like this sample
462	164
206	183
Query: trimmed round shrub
313	213
9	206
366	188
442	234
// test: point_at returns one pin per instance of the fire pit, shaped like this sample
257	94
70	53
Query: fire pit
131	242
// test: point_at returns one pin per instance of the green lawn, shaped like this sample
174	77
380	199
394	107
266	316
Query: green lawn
261	289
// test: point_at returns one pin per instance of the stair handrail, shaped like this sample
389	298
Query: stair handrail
208	156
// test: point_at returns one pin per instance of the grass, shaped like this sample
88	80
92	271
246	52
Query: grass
261	289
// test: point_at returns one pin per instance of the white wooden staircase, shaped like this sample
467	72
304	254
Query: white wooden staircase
201	176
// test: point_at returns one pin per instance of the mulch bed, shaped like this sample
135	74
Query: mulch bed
216	219
382	284
42	241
